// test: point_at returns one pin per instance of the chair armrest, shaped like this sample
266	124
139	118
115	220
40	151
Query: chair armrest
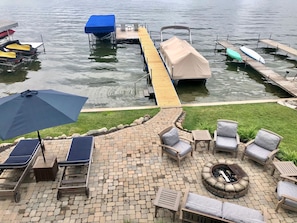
272	154
237	139
186	139
184	201
169	147
290	178
249	143
289	198
215	136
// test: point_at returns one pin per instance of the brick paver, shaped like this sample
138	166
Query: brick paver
126	173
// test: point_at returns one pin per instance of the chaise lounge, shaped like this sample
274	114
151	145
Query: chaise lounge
21	158
197	208
76	167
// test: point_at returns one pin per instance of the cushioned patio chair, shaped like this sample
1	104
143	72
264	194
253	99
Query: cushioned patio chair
226	138
287	193
174	145
21	158
76	167
263	148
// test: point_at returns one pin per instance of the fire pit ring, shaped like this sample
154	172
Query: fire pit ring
225	179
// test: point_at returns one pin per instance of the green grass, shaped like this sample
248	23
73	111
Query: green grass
92	120
250	118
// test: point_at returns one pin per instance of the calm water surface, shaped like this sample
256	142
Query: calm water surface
109	80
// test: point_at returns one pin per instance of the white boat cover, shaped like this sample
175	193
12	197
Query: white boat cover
183	61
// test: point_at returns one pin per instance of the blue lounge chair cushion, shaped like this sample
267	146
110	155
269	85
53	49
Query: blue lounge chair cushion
171	137
267	140
241	214
25	147
80	151
15	161
204	204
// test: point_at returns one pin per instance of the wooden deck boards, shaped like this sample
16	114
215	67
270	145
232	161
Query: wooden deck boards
165	93
287	85
279	46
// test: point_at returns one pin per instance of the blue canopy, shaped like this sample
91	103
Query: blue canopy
100	25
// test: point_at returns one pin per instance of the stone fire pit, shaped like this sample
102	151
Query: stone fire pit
225	179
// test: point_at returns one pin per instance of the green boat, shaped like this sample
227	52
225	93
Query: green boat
233	54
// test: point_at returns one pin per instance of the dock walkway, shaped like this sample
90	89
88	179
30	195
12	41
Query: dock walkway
165	92
282	82
279	46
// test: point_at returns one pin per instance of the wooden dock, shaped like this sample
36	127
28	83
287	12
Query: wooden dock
287	85
165	92
279	46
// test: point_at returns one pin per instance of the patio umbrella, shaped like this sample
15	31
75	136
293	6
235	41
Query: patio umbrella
33	110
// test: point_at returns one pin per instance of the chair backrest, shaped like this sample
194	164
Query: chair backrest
268	139
227	128
169	136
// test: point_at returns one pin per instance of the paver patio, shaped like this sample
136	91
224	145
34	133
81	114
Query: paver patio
126	172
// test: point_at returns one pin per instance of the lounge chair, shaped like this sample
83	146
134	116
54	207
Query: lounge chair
226	138
287	193
263	148
198	208
76	167
21	158
175	146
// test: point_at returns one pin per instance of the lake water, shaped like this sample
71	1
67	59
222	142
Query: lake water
110	81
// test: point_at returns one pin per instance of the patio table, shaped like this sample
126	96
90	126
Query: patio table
286	168
168	199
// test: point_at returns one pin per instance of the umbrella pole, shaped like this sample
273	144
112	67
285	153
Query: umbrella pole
42	146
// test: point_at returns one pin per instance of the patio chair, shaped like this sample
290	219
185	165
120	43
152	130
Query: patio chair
287	193
21	158
175	146
76	167
263	148
226	138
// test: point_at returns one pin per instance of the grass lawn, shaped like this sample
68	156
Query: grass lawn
250	118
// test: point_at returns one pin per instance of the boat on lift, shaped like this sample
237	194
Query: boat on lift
13	52
181	59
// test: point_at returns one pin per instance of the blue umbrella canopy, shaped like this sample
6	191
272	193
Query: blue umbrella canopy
33	110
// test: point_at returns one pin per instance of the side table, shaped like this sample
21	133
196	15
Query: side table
286	168
201	135
45	171
168	199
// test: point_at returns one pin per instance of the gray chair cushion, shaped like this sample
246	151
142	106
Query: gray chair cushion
287	188
241	214
205	205
226	143
171	137
257	152
226	129
183	148
267	140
